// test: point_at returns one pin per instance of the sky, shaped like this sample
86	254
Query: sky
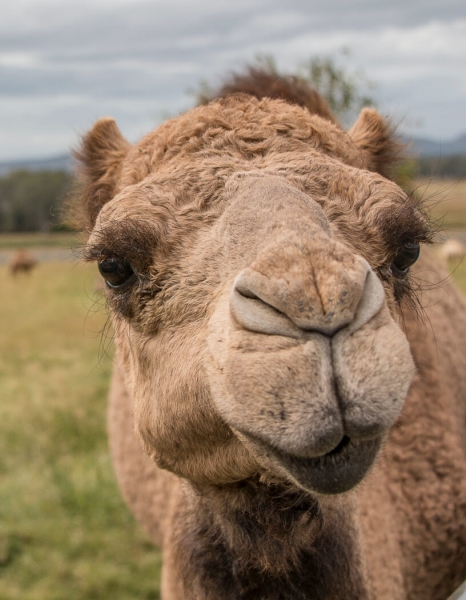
65	63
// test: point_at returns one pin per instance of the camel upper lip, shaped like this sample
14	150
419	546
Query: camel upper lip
336	471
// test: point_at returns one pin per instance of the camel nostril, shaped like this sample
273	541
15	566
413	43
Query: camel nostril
294	306
259	303
255	314
246	293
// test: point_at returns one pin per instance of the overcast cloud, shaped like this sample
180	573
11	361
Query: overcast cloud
63	64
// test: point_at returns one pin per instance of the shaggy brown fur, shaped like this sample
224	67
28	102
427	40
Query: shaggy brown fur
22	261
263	82
259	348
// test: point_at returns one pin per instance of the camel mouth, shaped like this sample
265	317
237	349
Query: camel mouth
335	472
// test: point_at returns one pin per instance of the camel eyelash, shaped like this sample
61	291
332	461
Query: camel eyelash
401	285
128	240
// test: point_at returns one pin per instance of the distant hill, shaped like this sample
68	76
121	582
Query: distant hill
55	163
428	148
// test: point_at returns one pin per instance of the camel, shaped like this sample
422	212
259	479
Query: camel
453	250
22	261
284	420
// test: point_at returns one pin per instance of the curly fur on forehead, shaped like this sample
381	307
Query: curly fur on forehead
192	155
238	130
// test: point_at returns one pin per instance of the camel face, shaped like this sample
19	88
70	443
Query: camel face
253	294
306	364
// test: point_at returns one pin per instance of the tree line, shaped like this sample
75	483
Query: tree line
444	167
33	201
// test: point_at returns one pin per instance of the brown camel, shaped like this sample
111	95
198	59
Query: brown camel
302	425
453	250
22	261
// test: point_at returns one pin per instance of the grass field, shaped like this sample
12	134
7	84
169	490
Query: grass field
64	531
445	199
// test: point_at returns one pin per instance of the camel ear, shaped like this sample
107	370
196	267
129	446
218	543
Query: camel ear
376	138
100	157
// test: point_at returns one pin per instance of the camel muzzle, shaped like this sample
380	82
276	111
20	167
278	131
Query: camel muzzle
258	307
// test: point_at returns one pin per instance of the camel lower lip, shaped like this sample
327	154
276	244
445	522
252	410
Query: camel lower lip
335	472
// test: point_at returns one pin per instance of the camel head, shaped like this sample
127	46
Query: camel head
255	259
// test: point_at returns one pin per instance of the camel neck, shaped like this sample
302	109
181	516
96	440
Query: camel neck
251	540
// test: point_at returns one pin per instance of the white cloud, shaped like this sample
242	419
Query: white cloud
63	64
18	60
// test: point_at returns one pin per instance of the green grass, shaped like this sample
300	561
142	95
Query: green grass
65	533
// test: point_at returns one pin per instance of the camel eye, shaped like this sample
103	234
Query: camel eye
406	257
116	272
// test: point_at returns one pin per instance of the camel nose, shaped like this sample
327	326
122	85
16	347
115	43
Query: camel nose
322	302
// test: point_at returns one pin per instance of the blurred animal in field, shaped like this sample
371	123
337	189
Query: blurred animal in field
281	420
453	250
22	261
